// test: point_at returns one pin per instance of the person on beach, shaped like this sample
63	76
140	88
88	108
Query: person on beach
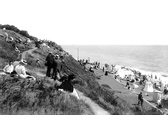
127	84
140	99
165	91
103	69
91	70
8	69
106	73
49	64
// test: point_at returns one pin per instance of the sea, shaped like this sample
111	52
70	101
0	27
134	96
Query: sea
151	58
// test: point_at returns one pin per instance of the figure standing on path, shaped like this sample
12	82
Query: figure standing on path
49	64
140	99
57	68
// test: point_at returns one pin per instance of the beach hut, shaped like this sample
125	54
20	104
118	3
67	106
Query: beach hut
155	78
121	73
148	86
163	82
116	68
157	96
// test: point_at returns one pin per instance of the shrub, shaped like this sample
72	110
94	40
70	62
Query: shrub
20	95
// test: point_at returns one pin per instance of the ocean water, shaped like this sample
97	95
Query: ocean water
152	58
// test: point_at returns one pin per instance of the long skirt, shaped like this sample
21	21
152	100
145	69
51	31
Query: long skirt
74	93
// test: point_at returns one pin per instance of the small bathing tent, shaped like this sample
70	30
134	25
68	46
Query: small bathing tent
148	86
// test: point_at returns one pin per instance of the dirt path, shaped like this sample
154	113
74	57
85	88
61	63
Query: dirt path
94	106
23	56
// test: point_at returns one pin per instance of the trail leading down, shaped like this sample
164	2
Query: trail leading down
94	106
23	55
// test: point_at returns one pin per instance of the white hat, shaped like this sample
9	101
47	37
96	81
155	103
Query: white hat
23	62
56	55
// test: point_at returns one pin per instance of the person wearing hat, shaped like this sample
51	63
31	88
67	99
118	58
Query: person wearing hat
65	85
8	69
57	67
49	64
21	70
140	99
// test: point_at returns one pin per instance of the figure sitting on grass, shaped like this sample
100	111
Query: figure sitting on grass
106	73
17	50
21	70
127	84
65	85
91	70
8	69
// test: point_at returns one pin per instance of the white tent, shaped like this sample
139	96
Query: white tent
123	73
148	87
155	78
164	82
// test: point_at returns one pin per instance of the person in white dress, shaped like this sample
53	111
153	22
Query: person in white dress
8	69
21	70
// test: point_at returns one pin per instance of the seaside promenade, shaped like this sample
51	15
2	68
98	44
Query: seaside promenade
130	96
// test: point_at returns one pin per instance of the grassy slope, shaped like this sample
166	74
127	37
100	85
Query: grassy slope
45	99
86	82
18	96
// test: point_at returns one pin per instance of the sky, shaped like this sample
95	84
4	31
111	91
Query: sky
90	22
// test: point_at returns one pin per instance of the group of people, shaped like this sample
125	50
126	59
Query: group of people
63	82
54	65
17	68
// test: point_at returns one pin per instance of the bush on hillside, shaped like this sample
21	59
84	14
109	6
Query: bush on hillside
52	44
7	51
24	33
32	61
10	27
15	29
19	95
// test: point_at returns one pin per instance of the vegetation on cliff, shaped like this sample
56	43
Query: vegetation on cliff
40	97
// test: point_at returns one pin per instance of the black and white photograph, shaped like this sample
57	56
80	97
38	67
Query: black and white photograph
84	57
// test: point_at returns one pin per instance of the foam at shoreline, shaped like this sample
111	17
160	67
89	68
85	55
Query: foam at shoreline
163	76
151	72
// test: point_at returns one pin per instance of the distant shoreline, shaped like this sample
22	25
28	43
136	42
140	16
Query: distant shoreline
148	58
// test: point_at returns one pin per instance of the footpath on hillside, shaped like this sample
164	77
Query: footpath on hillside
94	106
23	55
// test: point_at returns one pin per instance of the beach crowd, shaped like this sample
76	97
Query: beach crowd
133	78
